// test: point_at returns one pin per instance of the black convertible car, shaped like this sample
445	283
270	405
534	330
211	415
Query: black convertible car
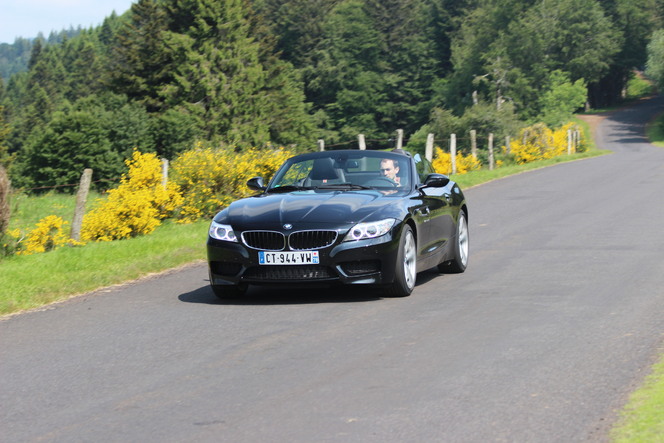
350	217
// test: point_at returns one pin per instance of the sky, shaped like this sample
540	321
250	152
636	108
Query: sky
27	18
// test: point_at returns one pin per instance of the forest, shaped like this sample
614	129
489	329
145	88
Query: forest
169	74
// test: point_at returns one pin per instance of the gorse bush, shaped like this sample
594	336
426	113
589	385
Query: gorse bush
442	163
136	206
538	142
210	179
48	235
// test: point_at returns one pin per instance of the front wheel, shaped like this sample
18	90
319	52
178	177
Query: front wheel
461	247
406	266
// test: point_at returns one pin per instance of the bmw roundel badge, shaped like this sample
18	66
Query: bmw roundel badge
288	226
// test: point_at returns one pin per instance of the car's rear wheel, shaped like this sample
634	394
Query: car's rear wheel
225	292
406	266
459	261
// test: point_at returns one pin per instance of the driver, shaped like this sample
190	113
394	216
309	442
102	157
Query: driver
389	168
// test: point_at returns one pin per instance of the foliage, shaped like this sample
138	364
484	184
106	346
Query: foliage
442	162
211	179
638	86
137	206
287	72
49	234
655	64
562	98
72	141
538	142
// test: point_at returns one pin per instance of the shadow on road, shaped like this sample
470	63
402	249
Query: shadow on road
264	295
286	295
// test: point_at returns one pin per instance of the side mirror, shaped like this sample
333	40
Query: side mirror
256	184
436	181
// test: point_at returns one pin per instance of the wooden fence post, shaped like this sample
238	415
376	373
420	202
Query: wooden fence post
491	160
473	143
508	145
361	142
164	172
569	141
399	138
81	198
321	145
453	149
428	152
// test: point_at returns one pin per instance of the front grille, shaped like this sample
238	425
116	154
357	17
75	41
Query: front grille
288	273
302	240
297	241
264	240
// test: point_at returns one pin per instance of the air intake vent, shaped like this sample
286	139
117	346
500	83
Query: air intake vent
288	273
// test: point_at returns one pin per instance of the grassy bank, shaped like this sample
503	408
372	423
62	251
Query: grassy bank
642	420
31	281
655	131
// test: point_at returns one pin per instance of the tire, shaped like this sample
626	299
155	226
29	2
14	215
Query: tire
459	261
226	292
406	265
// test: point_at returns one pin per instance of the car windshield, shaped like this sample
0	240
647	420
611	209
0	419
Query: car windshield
343	170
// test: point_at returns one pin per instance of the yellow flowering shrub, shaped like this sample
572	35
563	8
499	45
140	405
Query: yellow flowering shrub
48	235
136	206
210	179
442	162
538	142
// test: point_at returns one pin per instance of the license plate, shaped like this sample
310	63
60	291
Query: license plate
288	258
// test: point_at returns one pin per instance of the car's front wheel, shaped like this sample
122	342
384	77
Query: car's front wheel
459	261
225	292
406	266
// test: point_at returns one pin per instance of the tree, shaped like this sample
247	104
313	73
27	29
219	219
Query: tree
71	142
655	63
635	22
225	78
4	135
140	64
562	99
297	26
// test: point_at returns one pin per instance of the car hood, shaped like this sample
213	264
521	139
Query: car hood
309	208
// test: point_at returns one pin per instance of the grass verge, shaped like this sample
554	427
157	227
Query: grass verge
642	420
655	131
32	281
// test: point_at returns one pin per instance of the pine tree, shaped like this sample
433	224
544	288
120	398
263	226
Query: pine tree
139	64
223	76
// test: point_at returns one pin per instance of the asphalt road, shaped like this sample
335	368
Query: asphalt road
558	317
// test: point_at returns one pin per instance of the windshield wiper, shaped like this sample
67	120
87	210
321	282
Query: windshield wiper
342	186
289	188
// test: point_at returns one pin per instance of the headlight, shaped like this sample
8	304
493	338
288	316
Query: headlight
222	232
370	230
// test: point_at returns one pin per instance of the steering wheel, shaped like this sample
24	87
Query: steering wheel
382	181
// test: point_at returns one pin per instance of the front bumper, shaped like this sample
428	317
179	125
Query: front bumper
370	261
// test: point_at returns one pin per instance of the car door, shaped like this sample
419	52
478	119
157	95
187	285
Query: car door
437	209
